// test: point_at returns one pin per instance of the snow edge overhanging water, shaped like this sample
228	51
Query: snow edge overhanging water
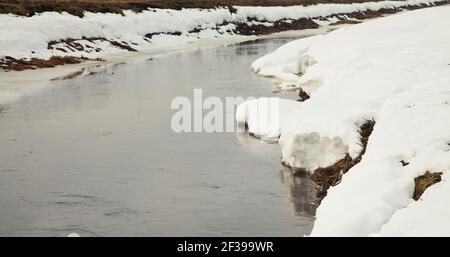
381	71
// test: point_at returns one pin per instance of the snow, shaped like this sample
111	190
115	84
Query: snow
24	37
430	215
395	70
320	10
265	116
287	62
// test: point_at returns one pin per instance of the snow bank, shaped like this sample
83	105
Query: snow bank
395	70
21	36
265	117
288	62
24	37
320	10
425	218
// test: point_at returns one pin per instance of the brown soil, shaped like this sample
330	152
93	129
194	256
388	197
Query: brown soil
77	7
404	163
74	46
278	26
122	45
369	14
302	96
340	22
259	29
12	64
424	182
332	175
151	35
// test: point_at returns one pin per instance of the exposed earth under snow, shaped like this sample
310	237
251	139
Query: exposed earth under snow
395	70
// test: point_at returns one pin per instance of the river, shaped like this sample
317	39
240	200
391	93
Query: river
96	155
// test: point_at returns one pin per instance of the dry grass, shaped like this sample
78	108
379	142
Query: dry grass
332	175
299	24
302	95
9	63
77	7
424	182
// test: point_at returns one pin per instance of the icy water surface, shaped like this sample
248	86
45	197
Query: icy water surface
96	156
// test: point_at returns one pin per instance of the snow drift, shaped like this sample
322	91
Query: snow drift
396	71
97	34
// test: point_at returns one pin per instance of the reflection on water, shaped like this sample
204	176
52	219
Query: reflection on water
254	48
301	192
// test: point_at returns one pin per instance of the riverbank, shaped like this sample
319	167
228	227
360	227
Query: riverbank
374	129
17	84
78	7
97	155
48	35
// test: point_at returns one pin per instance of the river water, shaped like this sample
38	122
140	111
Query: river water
96	156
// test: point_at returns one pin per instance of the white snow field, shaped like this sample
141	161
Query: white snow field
25	37
395	70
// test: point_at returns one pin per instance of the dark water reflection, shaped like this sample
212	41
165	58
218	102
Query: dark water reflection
96	156
301	192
